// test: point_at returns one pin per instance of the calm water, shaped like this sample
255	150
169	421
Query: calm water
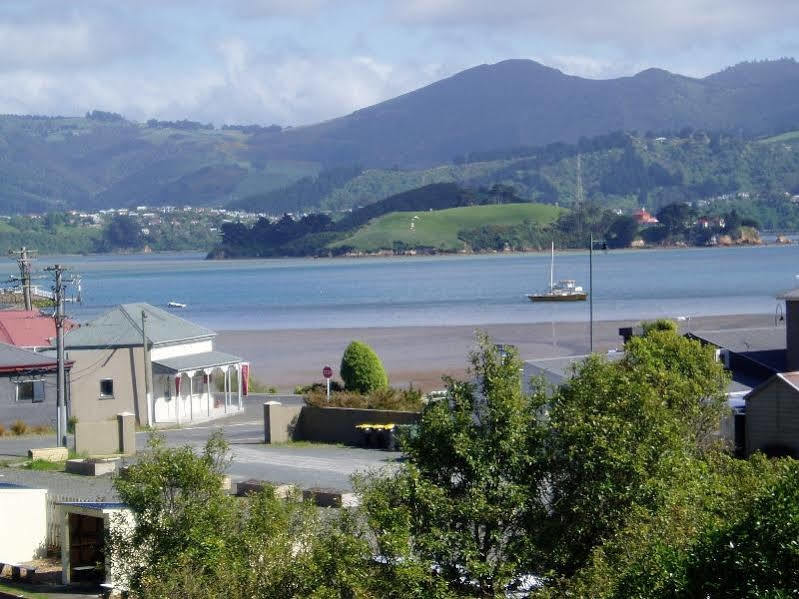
304	293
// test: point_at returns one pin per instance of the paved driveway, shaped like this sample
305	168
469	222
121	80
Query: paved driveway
305	465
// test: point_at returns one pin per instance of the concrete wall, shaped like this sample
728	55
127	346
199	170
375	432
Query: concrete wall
125	366
31	413
24	527
772	419
327	425
117	435
280	422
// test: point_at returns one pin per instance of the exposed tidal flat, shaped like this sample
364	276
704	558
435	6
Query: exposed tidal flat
291	316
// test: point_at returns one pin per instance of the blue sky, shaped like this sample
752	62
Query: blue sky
294	62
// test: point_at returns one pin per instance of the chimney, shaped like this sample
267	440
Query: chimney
791	329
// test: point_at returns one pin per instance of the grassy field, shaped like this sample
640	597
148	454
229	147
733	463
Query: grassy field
782	138
439	229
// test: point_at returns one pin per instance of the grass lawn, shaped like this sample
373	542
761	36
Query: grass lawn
21	591
439	228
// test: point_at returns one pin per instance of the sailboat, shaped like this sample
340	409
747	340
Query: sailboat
565	290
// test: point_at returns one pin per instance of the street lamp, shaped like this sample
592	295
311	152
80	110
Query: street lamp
603	246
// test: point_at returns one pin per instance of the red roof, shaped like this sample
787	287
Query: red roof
26	328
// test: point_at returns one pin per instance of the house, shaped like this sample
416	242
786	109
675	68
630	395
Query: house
642	217
556	371
772	408
767	359
28	386
27	328
112	369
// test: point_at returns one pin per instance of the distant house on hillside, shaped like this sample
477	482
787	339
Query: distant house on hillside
642	217
28	386
109	358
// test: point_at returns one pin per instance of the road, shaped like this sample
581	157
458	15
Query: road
316	465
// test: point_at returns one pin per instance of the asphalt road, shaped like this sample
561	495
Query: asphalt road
316	465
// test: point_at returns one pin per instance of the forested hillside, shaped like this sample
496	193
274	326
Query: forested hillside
511	121
619	170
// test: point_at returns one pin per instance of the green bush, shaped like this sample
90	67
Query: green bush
361	369
406	400
19	427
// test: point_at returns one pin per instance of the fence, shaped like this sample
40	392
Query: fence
53	521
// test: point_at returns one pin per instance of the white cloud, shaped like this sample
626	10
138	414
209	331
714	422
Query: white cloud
625	23
243	86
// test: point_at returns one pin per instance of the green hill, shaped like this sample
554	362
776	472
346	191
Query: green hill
439	229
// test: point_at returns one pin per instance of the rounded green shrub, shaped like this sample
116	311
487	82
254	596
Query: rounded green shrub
361	369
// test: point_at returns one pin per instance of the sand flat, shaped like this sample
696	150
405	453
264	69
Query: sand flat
421	355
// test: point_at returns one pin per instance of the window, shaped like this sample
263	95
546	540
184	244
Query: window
106	388
32	391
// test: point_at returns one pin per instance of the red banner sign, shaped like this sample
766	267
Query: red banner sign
245	379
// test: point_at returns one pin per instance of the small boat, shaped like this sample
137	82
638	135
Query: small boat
176	305
565	290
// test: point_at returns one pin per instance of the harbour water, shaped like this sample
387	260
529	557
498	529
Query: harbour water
438	290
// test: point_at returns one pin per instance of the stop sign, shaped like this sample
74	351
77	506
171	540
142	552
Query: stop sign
327	372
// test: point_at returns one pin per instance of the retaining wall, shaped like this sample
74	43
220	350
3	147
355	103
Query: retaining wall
107	436
327	425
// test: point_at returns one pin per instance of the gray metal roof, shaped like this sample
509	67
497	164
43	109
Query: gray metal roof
16	357
744	340
557	370
209	359
121	327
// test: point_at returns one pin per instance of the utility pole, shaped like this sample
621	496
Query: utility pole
24	257
579	197
58	295
148	391
591	294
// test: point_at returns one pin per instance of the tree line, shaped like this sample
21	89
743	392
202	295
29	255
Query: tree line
613	485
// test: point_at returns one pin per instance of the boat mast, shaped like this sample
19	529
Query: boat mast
552	268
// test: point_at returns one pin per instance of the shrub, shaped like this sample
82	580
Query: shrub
661	324
362	369
19	427
2	430
42	429
335	386
407	400
73	420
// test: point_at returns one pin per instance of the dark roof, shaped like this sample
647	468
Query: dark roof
14	359
121	327
744	340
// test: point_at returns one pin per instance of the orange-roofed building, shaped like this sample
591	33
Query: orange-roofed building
28	328
642	217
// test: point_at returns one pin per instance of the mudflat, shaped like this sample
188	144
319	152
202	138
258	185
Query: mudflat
422	355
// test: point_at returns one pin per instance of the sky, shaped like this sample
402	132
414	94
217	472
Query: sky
296	62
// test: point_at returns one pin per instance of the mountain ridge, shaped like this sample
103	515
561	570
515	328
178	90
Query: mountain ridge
103	160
